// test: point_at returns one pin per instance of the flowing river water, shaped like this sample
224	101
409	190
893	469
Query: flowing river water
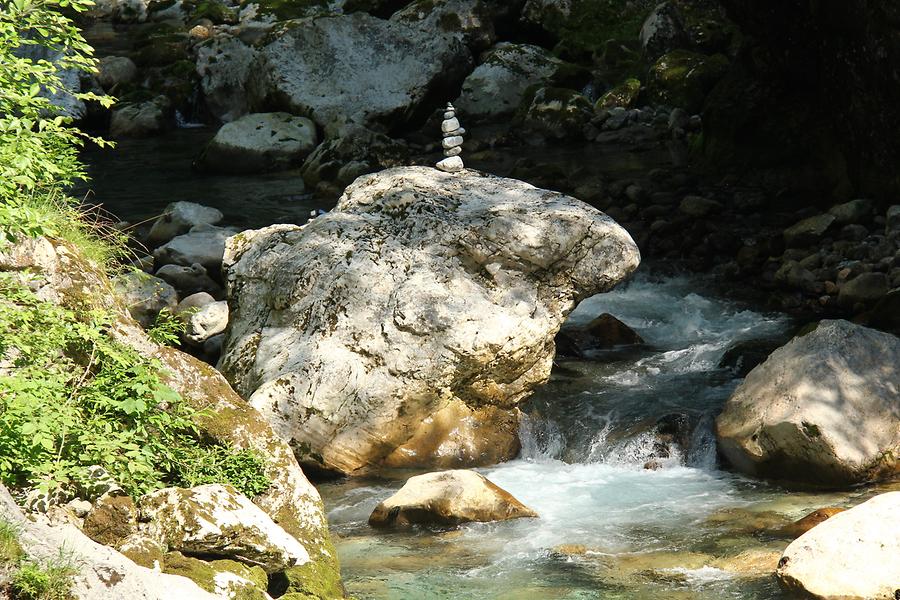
609	527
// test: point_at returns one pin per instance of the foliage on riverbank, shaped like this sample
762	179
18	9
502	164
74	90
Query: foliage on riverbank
71	394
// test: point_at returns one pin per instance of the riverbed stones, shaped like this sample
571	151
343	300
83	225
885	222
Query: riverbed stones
448	498
217	520
140	119
854	555
205	321
178	218
556	113
115	71
189	280
422	291
203	245
357	68
260	142
808	231
822	409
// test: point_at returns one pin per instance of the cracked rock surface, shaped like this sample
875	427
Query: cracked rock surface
403	328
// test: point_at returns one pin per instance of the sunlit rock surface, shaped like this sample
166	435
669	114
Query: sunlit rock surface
403	328
853	555
448	498
825	409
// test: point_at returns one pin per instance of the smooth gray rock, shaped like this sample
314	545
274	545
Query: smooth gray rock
139	120
226	67
855	211
471	21
865	288
116	71
178	218
808	231
203	244
353	151
823	409
357	69
188	280
260	142
206	321
403	327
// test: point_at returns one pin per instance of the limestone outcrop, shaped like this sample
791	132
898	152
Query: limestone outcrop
403	327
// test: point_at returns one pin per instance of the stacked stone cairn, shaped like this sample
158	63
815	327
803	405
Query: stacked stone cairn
452	142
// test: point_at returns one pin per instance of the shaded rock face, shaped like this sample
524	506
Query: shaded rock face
823	409
448	498
825	60
423	294
854	555
146	296
469	20
590	340
358	68
225	66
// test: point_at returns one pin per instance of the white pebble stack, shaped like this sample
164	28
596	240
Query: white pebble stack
452	142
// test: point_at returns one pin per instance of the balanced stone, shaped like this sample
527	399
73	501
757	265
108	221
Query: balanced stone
452	142
451	164
451	124
455	151
455	132
449	114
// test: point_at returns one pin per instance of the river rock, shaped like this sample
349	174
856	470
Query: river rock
496	87
557	113
683	78
448	498
822	409
808	231
260	142
101	572
178	218
471	21
865	289
146	296
421	292
451	164
892	219
205	322
801	526
193	302
854	555
353	146
189	280
662	31
602	333
855	211
140	119
115	71
217	520
203	245
226	67
358	68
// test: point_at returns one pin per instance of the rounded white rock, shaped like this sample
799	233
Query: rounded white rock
455	132
449	114
450	125
451	164
453	151
452	142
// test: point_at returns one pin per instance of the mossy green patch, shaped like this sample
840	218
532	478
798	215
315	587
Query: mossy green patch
590	23
10	550
315	579
682	78
284	10
623	95
204	574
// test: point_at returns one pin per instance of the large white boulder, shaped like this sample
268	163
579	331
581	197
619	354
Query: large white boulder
448	498
404	327
217	520
260	142
225	66
496	87
854	555
358	68
825	408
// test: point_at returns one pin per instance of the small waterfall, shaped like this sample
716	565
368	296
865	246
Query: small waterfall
541	439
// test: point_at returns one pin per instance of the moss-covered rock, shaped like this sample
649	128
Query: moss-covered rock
556	113
584	26
623	95
112	519
312	581
223	577
283	10
213	10
683	78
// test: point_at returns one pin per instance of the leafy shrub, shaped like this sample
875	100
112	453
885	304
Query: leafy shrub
167	328
10	550
218	464
51	580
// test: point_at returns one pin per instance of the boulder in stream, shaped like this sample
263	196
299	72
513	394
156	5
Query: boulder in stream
823	409
178	218
854	555
448	498
403	328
